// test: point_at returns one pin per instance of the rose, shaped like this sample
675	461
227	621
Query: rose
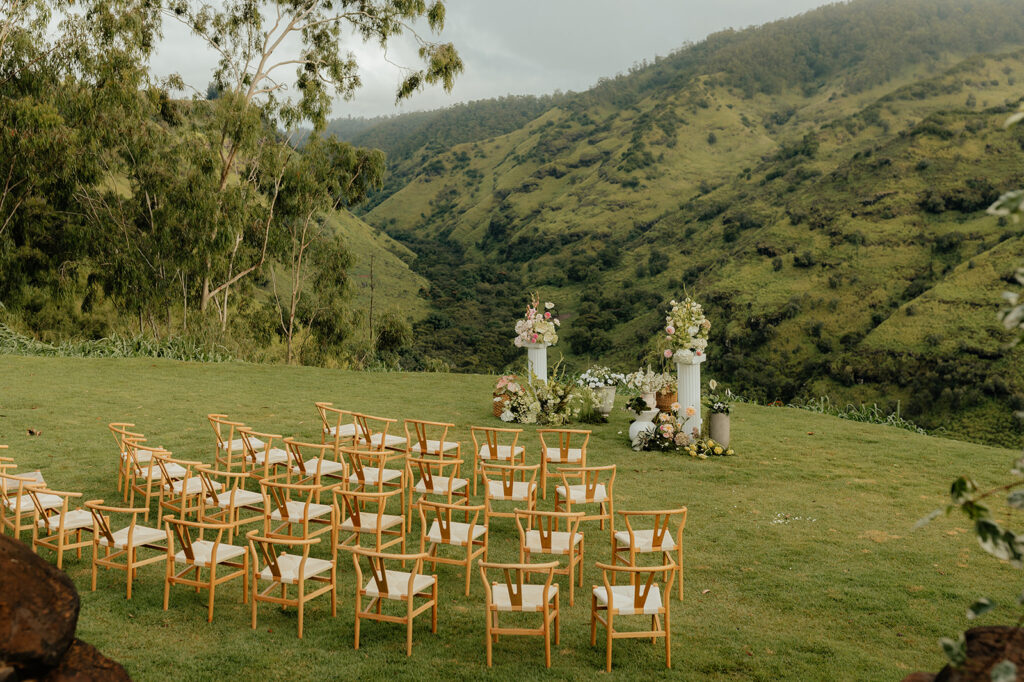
547	316
668	353
670	330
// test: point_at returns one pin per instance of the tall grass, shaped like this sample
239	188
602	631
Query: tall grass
870	414
114	346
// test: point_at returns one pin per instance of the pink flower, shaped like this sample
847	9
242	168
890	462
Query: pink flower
534	338
699	353
668	353
670	330
547	316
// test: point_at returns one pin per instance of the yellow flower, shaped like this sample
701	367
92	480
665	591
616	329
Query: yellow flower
690	411
718	450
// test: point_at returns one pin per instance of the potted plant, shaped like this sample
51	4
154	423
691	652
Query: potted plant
507	387
602	381
647	383
719	405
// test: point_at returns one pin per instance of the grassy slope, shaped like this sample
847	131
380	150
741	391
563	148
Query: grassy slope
801	562
869	181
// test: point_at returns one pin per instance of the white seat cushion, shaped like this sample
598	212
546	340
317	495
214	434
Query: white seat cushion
288	564
202	550
533	597
242	498
398	585
369	522
144	535
622	598
328	467
389	442
459	533
503	452
36	476
73	520
434	446
273	456
644	540
578	493
559	542
296	509
371	475
345	430
521	491
237	444
175	471
193	487
441	485
572	455
47	501
141	456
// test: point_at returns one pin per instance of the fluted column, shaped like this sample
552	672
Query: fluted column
688	370
537	360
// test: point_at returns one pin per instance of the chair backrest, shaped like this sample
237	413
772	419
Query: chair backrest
42	510
101	520
256	456
308	459
546	523
662	520
225	429
183	533
120	431
641	578
589	478
516	575
377	563
264	551
429	469
563	440
333	420
361	462
506	475
420	435
491	437
278	492
220	490
365	509
367	426
137	467
442	513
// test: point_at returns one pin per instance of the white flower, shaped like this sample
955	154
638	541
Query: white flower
507	416
549	305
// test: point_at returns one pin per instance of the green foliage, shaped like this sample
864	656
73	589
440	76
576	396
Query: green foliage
115	346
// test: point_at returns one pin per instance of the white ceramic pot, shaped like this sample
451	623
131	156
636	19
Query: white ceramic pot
643	423
606	394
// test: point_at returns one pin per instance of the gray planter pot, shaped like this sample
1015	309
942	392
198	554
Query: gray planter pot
719	429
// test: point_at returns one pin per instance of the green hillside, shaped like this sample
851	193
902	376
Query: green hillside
830	217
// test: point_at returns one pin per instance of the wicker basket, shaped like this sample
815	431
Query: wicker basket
498	404
664	401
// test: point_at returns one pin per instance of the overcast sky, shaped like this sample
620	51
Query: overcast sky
518	47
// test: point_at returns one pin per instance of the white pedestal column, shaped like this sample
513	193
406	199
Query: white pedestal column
537	360
688	371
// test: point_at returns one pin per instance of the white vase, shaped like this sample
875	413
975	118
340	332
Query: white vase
688	372
606	394
645	422
537	360
651	398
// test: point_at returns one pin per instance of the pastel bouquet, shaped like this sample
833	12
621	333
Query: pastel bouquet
538	326
647	380
686	331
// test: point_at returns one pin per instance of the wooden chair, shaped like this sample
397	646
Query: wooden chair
561	446
437	477
338	425
642	597
420	443
121	547
488	448
471	536
229	453
372	433
120	431
392	585
287	505
283	570
311	465
145	477
376	470
501	485
226	500
588	490
626	544
198	554
365	514
17	508
181	489
517	595
58	528
259	454
540	535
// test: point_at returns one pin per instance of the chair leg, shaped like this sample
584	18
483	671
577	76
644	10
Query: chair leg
490	644
608	640
680	574
593	620
408	626
213	588
668	641
433	610
558	620
358	607
547	638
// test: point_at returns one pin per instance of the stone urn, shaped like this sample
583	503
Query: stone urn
719	428
606	394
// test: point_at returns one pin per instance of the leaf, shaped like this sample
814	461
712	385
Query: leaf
1016	499
962	489
1002	544
980	607
932	515
1004	671
955	650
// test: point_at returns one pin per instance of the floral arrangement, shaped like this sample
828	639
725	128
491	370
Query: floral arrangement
556	402
718	404
686	331
537	326
600	377
508	385
668	435
648	381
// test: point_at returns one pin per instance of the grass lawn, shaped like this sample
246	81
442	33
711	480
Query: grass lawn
801	561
